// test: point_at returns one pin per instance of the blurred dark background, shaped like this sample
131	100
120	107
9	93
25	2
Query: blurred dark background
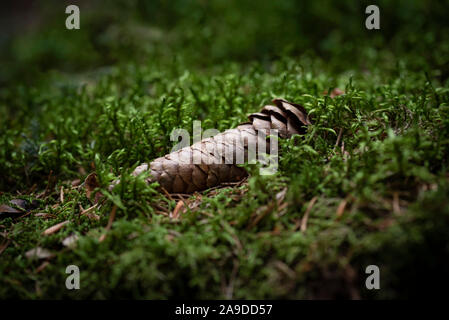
62	132
204	33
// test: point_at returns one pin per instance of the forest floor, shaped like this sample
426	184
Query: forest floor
368	184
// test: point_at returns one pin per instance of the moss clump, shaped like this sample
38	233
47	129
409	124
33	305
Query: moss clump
374	164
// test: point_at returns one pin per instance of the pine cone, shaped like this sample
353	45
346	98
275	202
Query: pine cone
206	164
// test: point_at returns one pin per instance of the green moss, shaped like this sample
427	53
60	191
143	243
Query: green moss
58	126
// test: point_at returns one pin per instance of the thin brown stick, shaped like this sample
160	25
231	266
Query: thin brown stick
5	245
306	214
109	225
24	215
47	188
167	194
161	208
111	218
83	212
262	215
33	187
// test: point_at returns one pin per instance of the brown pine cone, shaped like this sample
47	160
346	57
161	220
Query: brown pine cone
212	161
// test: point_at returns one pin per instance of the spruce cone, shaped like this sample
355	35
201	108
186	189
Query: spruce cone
206	164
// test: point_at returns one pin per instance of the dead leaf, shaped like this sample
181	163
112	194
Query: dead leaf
91	183
23	204
38	253
7	209
55	228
